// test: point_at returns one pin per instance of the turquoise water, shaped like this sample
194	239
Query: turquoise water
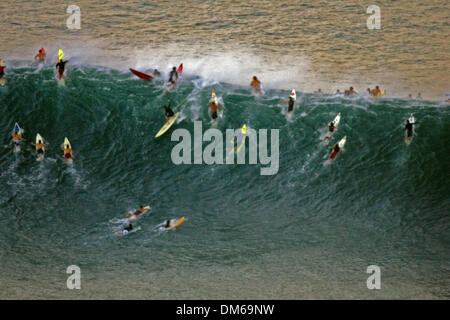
308	232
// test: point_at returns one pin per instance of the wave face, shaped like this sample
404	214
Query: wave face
310	231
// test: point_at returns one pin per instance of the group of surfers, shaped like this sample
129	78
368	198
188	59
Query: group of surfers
39	145
134	215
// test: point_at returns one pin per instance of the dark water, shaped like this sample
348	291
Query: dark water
308	232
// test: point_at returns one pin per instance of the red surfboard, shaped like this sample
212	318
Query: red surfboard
180	69
141	74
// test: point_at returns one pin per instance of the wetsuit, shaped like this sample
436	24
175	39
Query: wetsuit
409	129
173	76
336	149
39	151
291	104
331	127
61	65
68	155
169	112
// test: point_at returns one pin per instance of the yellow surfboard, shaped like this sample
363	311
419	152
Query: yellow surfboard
176	224
167	125
383	92
67	143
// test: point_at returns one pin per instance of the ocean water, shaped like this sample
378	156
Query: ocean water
308	232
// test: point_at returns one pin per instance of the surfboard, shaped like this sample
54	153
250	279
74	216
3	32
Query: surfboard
39	138
167	125
411	119
2	81
141	75
180	69
383	92
133	216
176	224
239	147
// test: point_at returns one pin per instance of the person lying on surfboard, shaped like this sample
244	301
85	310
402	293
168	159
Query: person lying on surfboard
330	126
409	129
256	85
135	215
68	152
168	112
336	149
61	66
127	229
40	57
39	148
17	139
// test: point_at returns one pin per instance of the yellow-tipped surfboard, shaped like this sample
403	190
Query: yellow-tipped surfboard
176	224
167	125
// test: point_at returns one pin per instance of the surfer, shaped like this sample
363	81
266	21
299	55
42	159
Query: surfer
338	92
68	152
330	126
127	229
336	149
40	57
17	138
419	96
256	85
318	91
2	69
173	77
213	107
409	129
61	66
168	111
39	148
291	101
156	73
134	215
349	92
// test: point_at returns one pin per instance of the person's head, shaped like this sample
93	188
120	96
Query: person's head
320	90
141	207
337	90
165	107
331	124
174	69
67	146
368	89
351	88
377	87
255	78
39	141
407	121
40	50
